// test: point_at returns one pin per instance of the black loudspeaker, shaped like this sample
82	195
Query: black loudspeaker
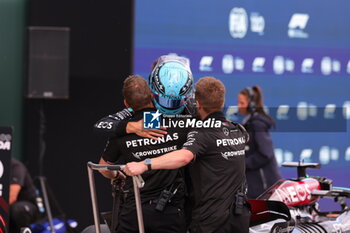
48	63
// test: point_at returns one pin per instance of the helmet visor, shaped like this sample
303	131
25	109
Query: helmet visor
169	101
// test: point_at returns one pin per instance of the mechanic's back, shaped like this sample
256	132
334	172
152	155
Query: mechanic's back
136	148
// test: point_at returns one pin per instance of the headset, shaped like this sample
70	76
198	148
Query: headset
252	101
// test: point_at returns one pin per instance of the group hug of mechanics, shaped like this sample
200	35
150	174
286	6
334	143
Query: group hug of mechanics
196	178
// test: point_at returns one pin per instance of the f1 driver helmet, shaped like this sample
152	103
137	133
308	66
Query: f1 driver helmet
171	82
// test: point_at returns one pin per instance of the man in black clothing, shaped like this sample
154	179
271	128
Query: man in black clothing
171	83
23	209
218	165
135	148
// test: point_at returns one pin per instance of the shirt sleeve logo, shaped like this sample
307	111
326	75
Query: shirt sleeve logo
191	138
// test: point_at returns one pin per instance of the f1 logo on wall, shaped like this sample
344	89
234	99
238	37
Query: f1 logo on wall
151	120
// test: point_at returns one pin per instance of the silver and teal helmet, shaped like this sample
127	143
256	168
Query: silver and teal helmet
171	82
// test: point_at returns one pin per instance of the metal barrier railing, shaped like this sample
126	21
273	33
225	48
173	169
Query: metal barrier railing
138	183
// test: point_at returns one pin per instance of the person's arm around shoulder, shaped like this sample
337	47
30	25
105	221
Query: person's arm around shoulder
172	160
137	128
119	125
114	124
196	144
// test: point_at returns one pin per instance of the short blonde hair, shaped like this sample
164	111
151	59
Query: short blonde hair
210	93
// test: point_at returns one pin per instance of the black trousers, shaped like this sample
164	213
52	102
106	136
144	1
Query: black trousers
171	220
22	214
236	223
228	222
